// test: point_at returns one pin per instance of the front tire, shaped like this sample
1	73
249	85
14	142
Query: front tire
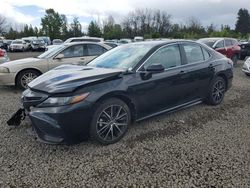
110	121
248	74
216	91
25	77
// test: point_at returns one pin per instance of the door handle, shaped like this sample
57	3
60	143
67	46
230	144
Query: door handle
82	58
182	72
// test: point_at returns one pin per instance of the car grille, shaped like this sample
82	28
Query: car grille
32	98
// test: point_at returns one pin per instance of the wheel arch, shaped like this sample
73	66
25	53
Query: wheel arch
19	72
122	96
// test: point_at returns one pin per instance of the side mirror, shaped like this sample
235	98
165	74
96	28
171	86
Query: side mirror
59	56
156	68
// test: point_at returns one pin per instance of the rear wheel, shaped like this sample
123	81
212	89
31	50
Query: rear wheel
25	77
217	91
110	121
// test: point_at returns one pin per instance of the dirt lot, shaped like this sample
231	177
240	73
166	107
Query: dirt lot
202	146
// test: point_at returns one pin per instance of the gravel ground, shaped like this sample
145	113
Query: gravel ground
202	146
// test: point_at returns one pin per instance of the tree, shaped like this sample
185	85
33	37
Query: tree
76	27
94	29
52	24
243	22
2	24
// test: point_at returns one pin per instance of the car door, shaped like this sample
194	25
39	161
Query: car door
154	92
94	50
197	71
73	54
229	48
220	47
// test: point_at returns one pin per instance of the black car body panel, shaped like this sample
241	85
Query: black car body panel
245	50
146	94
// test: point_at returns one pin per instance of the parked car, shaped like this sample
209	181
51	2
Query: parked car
138	39
46	39
84	39
38	45
129	83
227	46
21	72
245	50
3	56
246	67
125	41
111	44
18	45
28	42
6	44
57	42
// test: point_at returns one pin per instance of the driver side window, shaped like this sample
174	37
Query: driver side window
168	57
73	51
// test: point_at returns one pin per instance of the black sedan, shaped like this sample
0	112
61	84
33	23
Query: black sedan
129	83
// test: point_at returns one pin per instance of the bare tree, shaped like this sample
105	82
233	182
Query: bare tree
2	24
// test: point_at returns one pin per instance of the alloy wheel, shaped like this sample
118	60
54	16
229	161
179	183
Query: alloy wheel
112	122
27	78
218	91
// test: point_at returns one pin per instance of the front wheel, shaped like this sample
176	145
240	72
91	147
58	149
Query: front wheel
110	121
216	91
25	77
248	74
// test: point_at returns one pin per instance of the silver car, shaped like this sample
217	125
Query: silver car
21	72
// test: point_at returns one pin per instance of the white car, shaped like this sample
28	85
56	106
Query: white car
21	72
18	45
246	67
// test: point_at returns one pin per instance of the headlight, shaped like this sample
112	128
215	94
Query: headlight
61	101
4	70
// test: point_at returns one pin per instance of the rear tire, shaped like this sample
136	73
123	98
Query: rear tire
248	74
216	91
25	77
110	121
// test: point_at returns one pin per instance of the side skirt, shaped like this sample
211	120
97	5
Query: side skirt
173	109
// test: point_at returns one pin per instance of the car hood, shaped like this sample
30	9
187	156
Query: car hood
67	78
20	62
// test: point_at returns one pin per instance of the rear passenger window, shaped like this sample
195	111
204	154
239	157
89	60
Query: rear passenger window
95	50
193	52
206	54
228	42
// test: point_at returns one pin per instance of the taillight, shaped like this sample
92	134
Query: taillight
2	53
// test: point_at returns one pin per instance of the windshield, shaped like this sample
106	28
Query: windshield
17	42
123	57
208	42
51	52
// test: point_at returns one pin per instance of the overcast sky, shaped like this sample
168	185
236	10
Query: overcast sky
207	11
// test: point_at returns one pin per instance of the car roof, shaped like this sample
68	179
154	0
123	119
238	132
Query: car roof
87	42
